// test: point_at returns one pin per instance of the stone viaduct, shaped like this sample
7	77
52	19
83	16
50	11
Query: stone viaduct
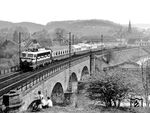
56	83
61	82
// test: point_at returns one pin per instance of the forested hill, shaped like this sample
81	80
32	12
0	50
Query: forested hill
86	27
32	27
80	28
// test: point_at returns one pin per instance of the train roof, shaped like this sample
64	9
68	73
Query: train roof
55	48
80	45
37	52
76	46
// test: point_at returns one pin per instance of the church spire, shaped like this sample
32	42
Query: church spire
129	27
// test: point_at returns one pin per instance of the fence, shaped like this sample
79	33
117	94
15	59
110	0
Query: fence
9	70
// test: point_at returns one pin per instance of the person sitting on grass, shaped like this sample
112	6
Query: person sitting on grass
44	103
40	95
49	102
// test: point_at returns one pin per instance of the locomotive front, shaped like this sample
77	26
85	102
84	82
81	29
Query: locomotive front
27	61
31	60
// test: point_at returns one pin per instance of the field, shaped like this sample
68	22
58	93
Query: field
84	105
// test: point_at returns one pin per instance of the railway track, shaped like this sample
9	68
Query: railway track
8	76
13	81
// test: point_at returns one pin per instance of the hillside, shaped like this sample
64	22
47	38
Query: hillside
32	27
86	27
80	28
5	24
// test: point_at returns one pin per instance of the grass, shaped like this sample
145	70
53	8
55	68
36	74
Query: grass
93	109
84	105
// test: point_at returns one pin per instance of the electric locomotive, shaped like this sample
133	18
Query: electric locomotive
32	59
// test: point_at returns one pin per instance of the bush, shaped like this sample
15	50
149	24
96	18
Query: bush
109	90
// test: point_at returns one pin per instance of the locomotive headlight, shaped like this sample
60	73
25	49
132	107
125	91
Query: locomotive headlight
22	60
33	61
29	60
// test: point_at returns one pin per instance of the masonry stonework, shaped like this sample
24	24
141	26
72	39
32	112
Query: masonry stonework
46	86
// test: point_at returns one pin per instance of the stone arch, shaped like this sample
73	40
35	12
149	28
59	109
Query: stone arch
84	73
73	83
57	94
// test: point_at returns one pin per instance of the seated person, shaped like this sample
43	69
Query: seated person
39	99
44	103
40	95
49	102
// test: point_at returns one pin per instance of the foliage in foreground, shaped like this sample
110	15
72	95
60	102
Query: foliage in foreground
110	89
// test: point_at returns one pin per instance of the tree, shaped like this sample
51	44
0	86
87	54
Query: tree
109	90
43	38
60	35
145	80
16	36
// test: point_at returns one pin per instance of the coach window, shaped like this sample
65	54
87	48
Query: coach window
35	56
53	53
30	55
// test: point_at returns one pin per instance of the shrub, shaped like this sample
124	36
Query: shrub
109	90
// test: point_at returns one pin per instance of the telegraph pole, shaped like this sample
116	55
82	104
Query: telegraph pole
69	44
69	57
101	42
19	50
101	38
73	39
147	83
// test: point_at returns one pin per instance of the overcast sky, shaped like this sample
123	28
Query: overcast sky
43	11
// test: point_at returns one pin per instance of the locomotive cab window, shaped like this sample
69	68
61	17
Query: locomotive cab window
23	54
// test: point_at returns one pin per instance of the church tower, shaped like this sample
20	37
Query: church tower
129	28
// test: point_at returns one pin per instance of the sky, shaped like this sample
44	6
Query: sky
43	11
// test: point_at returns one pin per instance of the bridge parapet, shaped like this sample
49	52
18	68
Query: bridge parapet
50	80
9	70
46	74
